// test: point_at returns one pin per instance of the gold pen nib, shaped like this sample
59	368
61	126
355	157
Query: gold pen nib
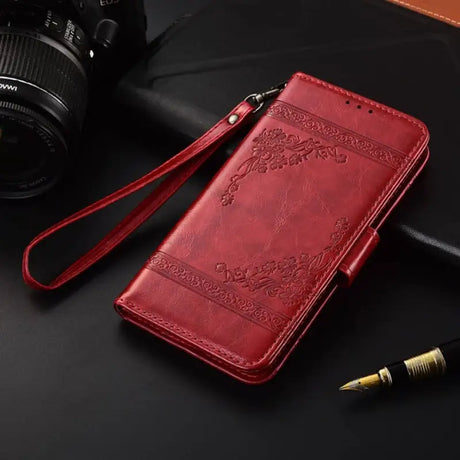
363	383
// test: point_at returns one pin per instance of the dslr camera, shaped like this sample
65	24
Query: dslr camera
52	54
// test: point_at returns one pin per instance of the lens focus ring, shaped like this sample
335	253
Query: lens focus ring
36	61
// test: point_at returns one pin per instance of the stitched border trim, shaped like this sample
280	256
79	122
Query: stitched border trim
305	121
127	308
202	284
426	11
305	308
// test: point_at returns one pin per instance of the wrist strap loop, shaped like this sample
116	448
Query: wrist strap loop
180	168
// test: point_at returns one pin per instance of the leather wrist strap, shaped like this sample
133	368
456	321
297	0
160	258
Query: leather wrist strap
179	168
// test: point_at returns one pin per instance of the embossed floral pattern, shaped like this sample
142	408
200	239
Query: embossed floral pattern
214	290
273	150
362	145
291	278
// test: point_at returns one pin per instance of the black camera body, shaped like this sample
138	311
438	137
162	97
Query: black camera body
51	53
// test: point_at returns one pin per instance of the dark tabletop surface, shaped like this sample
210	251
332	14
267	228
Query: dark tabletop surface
76	382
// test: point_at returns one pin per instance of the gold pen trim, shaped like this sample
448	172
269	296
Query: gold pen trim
426	365
385	377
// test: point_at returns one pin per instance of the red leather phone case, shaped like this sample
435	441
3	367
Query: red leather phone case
292	215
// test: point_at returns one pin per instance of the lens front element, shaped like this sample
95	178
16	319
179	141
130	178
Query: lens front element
43	97
21	152
33	155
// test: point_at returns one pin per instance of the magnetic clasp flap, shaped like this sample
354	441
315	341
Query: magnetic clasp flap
358	255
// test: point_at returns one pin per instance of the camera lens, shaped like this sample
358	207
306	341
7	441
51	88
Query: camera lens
44	62
33	153
16	156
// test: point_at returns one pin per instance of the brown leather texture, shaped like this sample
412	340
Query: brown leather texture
443	10
243	275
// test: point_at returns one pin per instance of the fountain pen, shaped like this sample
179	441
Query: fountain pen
435	362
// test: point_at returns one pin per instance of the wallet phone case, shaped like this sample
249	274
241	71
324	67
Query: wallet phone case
292	215
371	47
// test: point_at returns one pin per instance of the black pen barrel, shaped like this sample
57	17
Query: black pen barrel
399	374
435	362
451	353
430	364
